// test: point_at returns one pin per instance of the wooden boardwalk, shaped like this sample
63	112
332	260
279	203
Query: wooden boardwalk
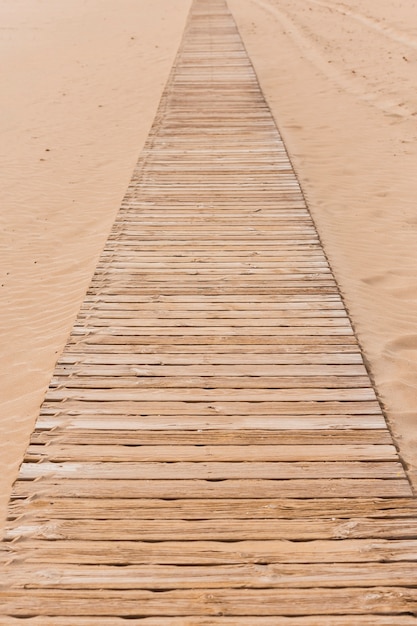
211	450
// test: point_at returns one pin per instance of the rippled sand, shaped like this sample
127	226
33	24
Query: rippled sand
83	82
341	79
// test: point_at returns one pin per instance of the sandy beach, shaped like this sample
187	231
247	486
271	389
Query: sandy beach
83	81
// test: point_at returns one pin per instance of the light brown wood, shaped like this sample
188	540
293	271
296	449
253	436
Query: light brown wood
200	422
82	552
390	601
222	489
242	508
210	382
255	408
364	620
188	322
260	371
167	359
56	452
223	530
212	470
211	449
249	576
201	438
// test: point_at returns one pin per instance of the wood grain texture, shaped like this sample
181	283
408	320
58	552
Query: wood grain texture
311	620
204	602
83	552
211	449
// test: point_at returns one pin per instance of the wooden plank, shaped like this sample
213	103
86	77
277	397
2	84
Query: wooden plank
224	530
213	470
219	299
99	344
113	311
247	438
268	317
222	489
287	343
63	507
297	266
154	429
208	331
172	288
209	552
196	423
202	246
266	383
331	620
278	411
60	452
233	602
280	303
248	576
132	322
238	370
237	396
214	358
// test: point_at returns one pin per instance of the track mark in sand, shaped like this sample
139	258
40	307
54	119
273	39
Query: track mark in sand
303	39
395	281
407	342
374	24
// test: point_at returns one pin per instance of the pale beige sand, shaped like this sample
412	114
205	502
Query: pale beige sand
83	80
81	84
341	79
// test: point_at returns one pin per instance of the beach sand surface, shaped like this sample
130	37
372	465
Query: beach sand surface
341	80
83	81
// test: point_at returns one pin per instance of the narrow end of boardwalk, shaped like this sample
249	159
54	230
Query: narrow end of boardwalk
210	449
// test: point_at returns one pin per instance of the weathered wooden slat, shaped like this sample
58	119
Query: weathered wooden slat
280	303
182	470
216	317
220	299
238	370
243	508
248	576
222	489
234	602
214	358
331	620
286	343
173	287
134	322
232	248
168	452
266	383
211	395
233	344
200	423
209	552
224	330
224	530
255	408
228	437
297	266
